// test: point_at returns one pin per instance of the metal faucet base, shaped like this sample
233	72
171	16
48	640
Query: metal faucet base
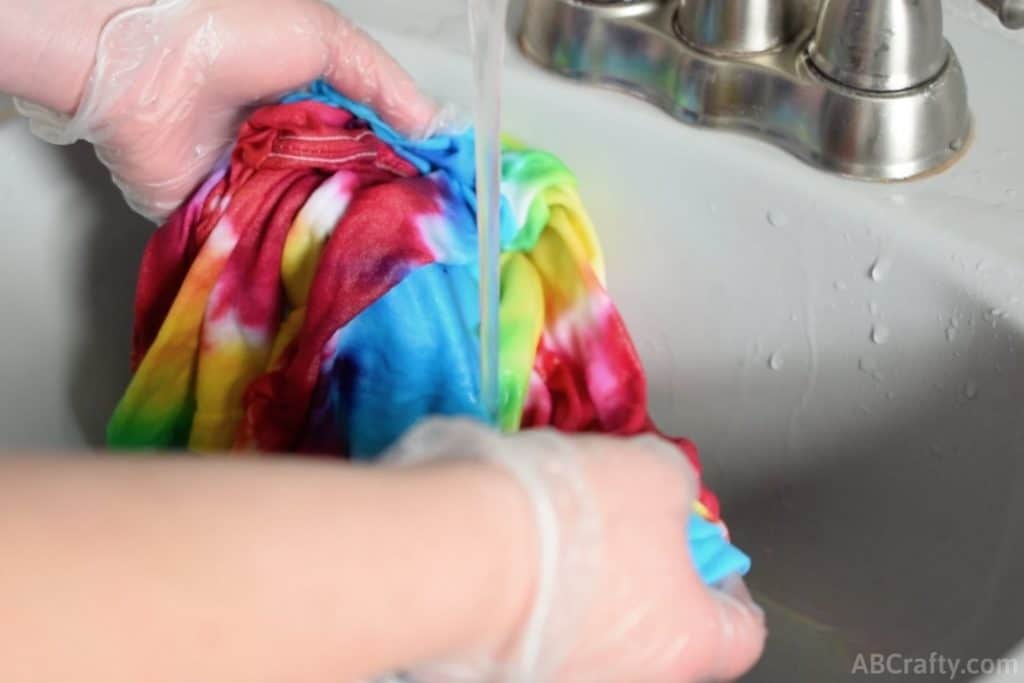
778	96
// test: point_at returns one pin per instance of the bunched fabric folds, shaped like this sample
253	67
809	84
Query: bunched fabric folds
318	294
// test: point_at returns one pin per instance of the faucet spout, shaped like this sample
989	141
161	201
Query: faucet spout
1010	12
740	26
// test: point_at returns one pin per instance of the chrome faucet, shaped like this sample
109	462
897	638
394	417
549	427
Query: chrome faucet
864	88
1010	12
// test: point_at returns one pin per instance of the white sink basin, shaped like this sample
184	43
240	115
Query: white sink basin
847	355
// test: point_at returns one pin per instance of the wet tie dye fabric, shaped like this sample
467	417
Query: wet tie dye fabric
318	294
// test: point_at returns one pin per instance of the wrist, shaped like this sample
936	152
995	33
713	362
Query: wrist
514	553
49	48
497	557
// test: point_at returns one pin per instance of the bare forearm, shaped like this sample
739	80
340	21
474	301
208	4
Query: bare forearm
168	570
47	47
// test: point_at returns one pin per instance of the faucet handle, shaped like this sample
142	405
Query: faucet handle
880	45
1010	12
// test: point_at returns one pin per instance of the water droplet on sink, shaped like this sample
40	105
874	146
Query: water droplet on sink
971	390
869	366
839	286
713	208
776	361
880	334
993	315
879	269
951	333
956	145
873	308
778	219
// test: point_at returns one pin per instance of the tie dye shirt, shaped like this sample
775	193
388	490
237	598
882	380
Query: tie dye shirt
318	294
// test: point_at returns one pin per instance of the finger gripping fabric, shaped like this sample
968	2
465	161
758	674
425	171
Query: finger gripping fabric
318	294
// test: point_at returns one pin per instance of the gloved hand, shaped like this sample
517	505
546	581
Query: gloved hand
616	596
173	80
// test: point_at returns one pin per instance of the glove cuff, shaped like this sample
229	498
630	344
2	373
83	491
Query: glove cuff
550	473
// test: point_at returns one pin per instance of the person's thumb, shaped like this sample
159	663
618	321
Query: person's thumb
742	633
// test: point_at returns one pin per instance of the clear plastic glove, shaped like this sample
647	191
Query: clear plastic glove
173	80
616	596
